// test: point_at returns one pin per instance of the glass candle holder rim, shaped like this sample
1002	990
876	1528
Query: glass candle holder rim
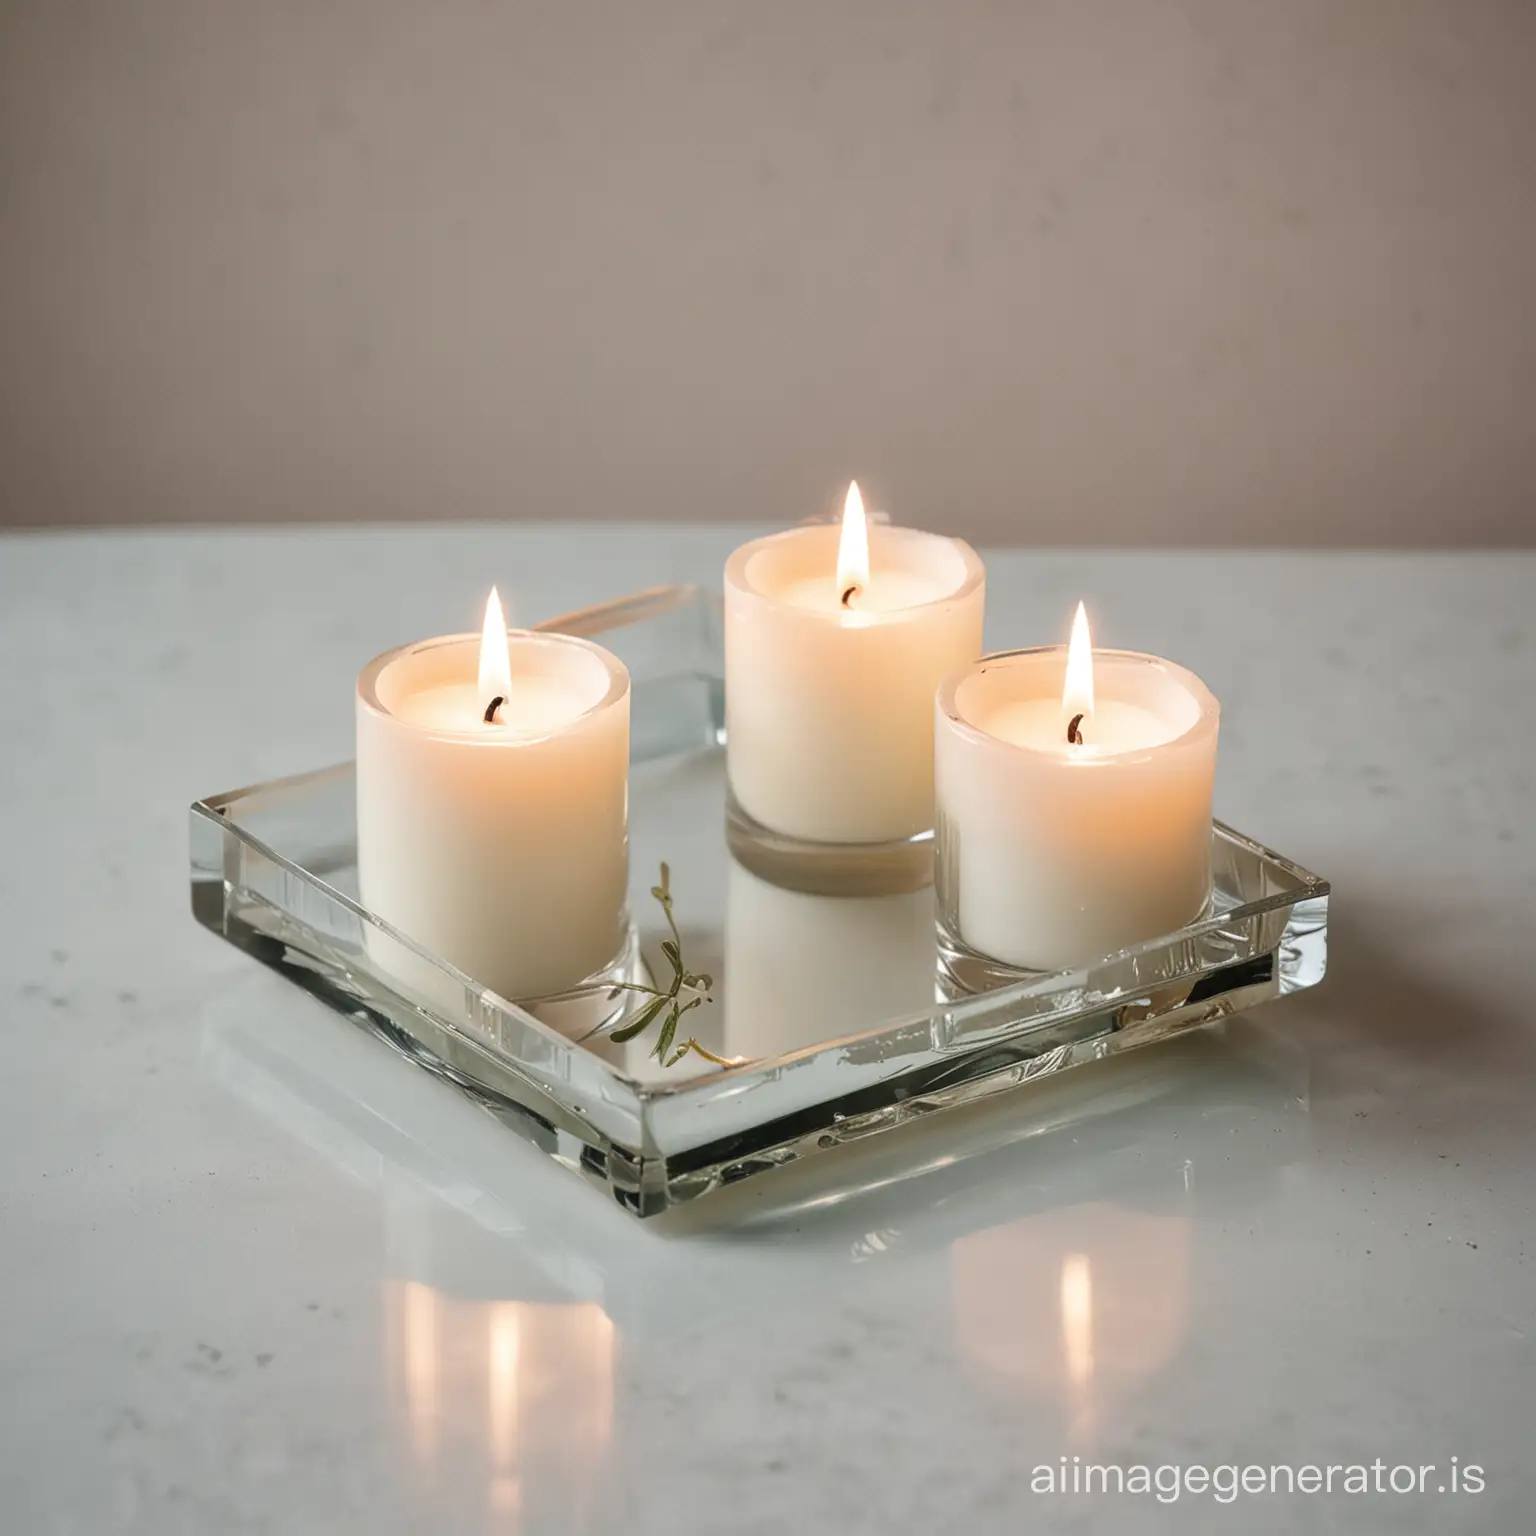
973	572
1206	721
617	672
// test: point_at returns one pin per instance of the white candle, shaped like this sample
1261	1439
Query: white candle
1074	794
835	640
499	844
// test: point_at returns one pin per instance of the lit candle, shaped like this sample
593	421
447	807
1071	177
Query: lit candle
1074	793
835	639
492	790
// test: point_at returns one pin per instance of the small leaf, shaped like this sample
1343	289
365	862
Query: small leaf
641	1021
668	1030
699	983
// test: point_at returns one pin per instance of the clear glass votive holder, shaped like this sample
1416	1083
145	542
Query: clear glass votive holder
829	708
500	847
1047	855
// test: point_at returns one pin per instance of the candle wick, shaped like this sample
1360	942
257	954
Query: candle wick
494	705
1074	735
849	594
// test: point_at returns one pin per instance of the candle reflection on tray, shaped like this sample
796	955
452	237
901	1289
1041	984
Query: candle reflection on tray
800	969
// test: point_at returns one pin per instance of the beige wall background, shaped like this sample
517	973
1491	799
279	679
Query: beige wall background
1233	271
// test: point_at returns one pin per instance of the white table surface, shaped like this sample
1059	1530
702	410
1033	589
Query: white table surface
248	1287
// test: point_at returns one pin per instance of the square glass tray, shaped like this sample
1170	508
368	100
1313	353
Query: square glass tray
832	1003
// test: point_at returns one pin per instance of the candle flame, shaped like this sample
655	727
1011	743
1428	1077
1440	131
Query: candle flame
852	549
1077	691
495	654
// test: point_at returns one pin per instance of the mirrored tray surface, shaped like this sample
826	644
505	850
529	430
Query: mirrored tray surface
832	1004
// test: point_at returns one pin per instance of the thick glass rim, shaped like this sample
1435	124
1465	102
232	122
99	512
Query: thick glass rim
973	575
618	684
1205	723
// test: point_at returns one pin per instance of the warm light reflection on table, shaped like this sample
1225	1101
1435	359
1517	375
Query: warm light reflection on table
517	1393
419	1326
501	1405
1077	1317
1080	1303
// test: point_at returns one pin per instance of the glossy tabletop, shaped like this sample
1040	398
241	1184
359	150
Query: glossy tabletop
257	1274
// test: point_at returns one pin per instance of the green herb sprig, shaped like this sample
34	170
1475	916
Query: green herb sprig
671	1005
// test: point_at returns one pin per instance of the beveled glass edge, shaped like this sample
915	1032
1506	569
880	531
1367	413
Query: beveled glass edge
1308	886
945	1020
212	810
